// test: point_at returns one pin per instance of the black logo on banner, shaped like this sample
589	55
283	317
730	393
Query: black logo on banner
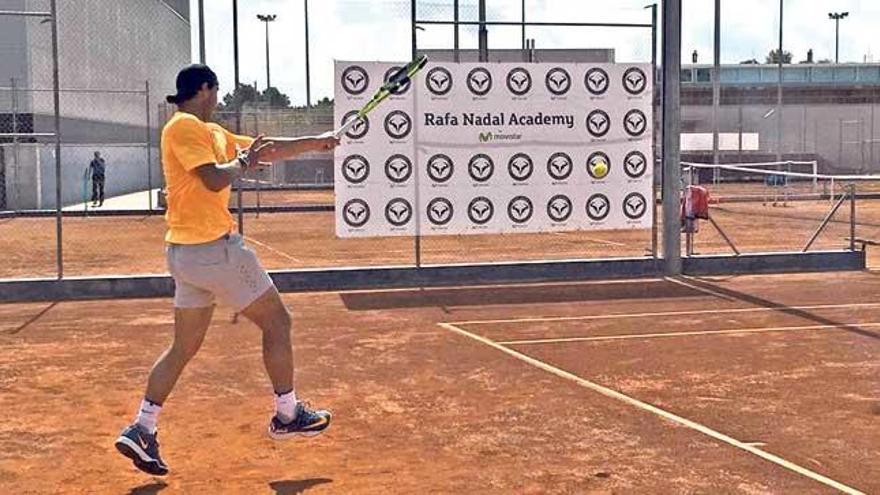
481	167
440	211
403	88
479	81
481	210
598	123
598	207
596	81
559	208
519	81
398	168
439	81
398	124
440	168
356	213
360	128
635	164
398	212
520	166
560	166
635	123
598	165
355	80
634	81
558	81
520	209
634	206
355	169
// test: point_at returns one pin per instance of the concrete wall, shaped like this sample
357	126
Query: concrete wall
126	171
810	128
104	46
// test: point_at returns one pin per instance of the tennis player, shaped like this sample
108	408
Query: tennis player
209	261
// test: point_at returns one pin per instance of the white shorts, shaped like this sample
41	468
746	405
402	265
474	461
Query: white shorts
224	269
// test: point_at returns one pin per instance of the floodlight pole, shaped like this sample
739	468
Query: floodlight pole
779	89
716	86
308	72
266	19
201	31
837	16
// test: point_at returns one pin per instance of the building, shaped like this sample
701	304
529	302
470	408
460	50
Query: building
109	50
828	114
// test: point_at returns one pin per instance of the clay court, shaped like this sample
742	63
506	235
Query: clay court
750	384
121	245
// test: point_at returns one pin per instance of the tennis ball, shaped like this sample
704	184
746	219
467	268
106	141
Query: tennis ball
600	169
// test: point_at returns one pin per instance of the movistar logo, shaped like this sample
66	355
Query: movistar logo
486	137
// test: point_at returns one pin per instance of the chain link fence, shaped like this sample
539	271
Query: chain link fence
107	54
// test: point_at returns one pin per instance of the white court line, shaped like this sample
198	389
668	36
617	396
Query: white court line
698	288
748	447
686	334
592	239
664	313
270	248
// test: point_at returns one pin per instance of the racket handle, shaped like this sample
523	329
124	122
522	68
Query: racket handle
338	133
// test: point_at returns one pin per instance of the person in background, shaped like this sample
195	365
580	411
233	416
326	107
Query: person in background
97	175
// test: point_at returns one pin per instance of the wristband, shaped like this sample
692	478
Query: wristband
243	159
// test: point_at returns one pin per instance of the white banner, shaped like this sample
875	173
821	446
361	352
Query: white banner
496	148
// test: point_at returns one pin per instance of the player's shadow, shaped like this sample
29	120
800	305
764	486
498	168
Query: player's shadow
552	293
293	487
783	308
149	488
32	320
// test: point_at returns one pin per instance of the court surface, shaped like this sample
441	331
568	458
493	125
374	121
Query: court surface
122	245
751	384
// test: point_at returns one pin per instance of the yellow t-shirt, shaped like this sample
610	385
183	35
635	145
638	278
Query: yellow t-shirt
194	213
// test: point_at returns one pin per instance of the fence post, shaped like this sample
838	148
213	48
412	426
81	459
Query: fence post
14	168
671	129
852	217
149	151
56	93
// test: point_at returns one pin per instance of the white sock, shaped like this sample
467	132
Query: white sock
285	406
148	416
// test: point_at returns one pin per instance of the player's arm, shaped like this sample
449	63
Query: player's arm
217	176
286	147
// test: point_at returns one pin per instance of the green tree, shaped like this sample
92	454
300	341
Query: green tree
242	95
247	95
773	57
272	98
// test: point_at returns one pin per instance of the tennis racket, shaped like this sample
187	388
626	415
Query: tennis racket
397	80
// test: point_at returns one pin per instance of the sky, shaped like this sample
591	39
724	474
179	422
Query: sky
365	30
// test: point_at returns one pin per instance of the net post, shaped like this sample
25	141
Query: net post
815	175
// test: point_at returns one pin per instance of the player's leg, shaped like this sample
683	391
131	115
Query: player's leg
94	192
256	298
190	327
291	417
101	192
194	307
